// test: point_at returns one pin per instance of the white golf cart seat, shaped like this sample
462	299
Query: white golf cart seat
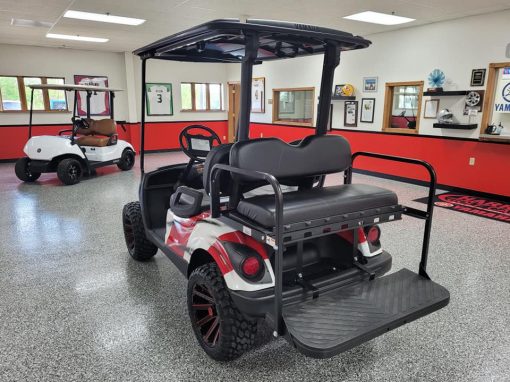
100	133
315	155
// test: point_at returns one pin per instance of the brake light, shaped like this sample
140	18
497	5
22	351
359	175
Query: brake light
251	267
373	234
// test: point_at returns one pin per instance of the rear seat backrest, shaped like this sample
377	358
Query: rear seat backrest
315	155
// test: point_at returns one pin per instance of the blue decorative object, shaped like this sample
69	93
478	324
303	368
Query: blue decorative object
436	78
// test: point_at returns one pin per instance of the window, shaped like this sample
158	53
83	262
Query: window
15	94
201	96
402	104
294	106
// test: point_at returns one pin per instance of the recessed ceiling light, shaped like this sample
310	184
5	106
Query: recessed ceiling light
379	18
76	37
103	17
30	23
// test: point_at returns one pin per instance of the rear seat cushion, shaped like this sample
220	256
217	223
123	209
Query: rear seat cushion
317	203
92	140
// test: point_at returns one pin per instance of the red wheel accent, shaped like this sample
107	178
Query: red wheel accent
205	314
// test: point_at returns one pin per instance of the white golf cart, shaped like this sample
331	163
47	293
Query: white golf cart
78	151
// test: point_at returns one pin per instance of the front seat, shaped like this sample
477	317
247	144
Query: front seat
100	133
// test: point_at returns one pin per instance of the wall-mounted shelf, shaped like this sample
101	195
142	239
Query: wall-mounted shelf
459	126
448	93
343	98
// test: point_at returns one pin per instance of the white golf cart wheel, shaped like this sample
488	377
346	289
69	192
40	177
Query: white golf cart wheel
23	172
69	171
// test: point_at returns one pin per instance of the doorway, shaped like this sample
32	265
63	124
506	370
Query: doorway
234	93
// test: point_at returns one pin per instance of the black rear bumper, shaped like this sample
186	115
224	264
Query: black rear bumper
259	303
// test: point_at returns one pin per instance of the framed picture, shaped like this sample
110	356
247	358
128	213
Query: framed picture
431	108
159	100
351	113
338	90
478	77
258	95
367	110
370	84
99	102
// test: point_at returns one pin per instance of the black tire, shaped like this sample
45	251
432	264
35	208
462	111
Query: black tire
23	172
127	160
69	171
139	247
220	328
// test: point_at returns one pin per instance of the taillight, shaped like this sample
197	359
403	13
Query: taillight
373	234
251	267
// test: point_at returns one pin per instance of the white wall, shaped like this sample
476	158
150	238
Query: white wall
176	72
38	61
455	46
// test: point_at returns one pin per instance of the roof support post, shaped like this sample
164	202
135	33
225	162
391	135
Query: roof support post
331	61
142	117
250	55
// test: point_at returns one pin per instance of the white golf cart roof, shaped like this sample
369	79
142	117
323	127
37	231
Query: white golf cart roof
72	87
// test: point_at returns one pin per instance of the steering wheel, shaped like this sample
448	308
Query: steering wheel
197	145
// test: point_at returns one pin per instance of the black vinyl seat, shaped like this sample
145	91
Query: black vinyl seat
317	203
313	156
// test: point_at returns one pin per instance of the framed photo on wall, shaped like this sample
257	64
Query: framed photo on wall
431	108
258	95
367	110
370	84
351	113
477	77
159	100
99	102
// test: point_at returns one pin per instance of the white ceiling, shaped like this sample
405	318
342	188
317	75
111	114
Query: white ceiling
165	17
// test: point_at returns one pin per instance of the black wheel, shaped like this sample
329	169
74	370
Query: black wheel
139	247
221	329
127	160
69	171
23	172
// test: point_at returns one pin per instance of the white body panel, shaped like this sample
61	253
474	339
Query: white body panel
107	153
47	147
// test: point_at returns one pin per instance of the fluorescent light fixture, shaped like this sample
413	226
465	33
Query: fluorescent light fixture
76	37
379	18
30	23
103	17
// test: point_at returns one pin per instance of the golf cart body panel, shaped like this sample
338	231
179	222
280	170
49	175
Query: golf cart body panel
68	155
47	147
320	279
106	153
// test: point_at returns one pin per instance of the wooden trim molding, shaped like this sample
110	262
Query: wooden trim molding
490	94
388	106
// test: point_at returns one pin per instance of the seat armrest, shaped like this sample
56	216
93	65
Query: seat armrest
186	202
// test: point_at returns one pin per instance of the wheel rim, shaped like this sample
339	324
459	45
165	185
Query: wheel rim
205	314
129	159
74	171
129	235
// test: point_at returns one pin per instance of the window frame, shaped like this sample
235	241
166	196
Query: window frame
276	105
389	96
207	97
23	96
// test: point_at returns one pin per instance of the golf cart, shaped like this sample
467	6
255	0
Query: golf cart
306	257
88	145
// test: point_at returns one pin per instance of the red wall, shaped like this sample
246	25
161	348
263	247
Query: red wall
159	135
450	157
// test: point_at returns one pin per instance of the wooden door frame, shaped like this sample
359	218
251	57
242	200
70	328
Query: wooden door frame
388	103
231	129
490	94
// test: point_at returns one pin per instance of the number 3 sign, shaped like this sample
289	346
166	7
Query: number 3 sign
159	99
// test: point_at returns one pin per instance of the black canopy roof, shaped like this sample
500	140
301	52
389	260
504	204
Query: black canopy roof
224	41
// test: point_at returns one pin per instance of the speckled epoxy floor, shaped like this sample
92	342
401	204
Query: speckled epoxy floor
75	307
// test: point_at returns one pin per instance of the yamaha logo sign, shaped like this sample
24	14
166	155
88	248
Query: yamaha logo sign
506	92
